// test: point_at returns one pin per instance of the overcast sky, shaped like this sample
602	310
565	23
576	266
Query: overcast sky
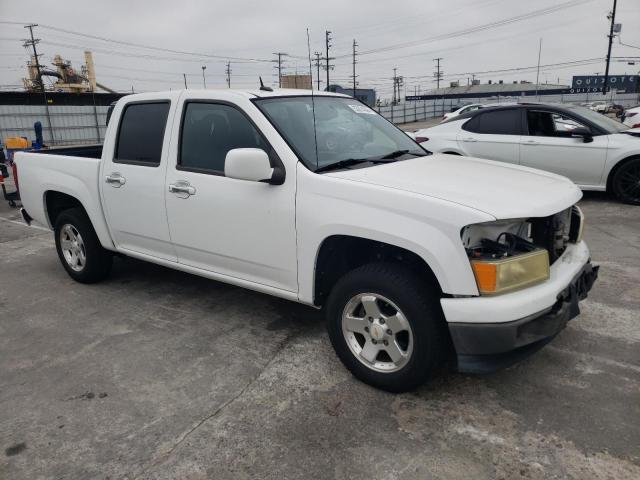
407	34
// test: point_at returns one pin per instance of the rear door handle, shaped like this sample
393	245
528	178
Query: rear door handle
115	180
182	189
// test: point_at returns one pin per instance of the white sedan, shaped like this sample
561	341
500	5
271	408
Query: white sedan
632	117
595	151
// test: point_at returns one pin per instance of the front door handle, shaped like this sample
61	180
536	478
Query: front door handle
115	180
182	189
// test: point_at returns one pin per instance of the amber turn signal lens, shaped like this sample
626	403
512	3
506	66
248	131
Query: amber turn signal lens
512	273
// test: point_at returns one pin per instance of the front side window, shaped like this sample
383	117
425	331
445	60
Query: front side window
550	124
496	122
141	133
324	131
209	131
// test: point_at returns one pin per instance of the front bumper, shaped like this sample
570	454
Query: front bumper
496	332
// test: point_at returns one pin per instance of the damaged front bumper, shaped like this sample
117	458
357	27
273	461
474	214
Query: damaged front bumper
501	330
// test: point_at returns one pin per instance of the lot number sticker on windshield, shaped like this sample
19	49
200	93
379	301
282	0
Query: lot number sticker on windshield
361	109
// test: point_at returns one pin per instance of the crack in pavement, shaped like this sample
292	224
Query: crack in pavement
165	456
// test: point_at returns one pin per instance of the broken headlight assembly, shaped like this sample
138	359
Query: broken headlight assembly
503	257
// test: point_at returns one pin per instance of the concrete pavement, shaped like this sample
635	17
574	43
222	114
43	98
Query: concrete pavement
157	374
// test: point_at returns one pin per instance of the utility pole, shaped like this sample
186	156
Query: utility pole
538	70
327	58
279	66
32	43
317	55
395	84
438	73
228	72
184	75
355	44
204	80
612	16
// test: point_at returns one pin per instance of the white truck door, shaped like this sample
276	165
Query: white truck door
494	135
549	146
133	179
237	228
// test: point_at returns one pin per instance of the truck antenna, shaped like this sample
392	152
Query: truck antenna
262	87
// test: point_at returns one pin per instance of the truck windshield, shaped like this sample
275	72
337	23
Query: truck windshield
346	131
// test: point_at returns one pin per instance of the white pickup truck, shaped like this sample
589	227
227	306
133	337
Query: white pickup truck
416	258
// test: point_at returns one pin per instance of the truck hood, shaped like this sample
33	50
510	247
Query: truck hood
499	189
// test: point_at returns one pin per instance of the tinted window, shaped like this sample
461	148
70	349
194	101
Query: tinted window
550	124
141	133
497	122
209	131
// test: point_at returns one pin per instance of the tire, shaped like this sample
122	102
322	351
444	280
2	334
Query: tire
626	182
79	249
393	288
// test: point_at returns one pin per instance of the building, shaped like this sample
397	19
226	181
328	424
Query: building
365	95
491	89
296	81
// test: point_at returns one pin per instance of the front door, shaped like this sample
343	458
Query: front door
133	180
237	228
549	146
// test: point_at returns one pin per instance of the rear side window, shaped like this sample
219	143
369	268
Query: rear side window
498	122
209	131
141	133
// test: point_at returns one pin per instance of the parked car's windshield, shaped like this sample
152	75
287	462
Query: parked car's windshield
345	129
609	125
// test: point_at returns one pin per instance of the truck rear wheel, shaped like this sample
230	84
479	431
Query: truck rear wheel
79	249
386	326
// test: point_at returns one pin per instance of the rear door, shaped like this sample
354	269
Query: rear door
133	178
494	135
549	146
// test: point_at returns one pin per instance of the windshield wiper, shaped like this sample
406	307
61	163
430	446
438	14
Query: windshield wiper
350	162
398	153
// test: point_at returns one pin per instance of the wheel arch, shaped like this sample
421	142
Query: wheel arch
339	254
56	201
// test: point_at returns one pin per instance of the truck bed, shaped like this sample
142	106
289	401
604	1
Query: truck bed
87	151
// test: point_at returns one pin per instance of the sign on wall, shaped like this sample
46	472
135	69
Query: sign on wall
595	83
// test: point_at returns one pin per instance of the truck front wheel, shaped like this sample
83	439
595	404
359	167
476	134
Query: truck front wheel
79	249
386	326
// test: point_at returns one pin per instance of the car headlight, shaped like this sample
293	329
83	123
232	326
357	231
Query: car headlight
511	273
503	257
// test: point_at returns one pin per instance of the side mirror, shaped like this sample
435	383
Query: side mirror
252	164
585	133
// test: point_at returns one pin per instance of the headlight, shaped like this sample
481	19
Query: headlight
511	273
503	256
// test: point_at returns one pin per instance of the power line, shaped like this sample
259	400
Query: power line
487	26
150	47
